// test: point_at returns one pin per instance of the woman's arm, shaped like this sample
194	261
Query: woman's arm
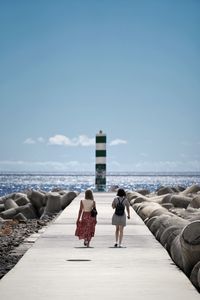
113	204
128	209
128	212
80	212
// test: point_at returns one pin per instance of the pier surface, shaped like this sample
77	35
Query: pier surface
59	267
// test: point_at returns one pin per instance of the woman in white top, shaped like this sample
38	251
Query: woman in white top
85	222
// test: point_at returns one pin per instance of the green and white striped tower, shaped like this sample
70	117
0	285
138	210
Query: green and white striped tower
100	180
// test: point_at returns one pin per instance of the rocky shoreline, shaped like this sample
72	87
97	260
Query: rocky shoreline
173	217
14	240
23	217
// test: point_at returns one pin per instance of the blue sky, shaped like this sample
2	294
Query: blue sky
71	68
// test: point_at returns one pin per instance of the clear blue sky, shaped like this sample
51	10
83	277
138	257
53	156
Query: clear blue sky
71	68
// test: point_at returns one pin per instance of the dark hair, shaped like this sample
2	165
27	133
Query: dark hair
89	195
121	193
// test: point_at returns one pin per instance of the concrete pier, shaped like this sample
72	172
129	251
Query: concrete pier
59	267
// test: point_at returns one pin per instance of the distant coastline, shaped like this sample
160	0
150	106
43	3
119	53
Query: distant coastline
110	173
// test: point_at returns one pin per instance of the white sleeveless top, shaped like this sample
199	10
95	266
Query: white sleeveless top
87	205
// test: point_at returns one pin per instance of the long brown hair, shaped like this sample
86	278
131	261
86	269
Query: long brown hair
89	195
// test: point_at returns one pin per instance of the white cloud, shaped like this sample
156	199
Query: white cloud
32	141
29	141
83	140
62	140
117	142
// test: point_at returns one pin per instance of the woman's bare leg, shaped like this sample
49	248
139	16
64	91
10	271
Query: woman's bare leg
121	231
117	234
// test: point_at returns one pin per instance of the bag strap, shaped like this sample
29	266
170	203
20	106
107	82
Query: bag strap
122	200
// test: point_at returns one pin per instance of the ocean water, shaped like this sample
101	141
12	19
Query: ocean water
19	182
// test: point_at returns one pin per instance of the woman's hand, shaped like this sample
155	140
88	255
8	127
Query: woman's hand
80	212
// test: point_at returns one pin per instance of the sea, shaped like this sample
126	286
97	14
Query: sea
19	182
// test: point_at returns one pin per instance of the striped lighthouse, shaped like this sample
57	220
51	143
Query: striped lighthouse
100	180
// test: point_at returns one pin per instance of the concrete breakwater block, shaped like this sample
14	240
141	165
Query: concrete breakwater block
190	243
166	199
138	200
194	276
192	189
23	200
132	195
2	207
10	203
185	249
149	222
41	211
34	204
176	253
13	196
159	211
3	198
167	205
195	202
195	217
28	211
9	213
67	198
180	201
18	195
169	235
53	203
145	209
143	192
165	190
162	222
37	199
20	217
188	213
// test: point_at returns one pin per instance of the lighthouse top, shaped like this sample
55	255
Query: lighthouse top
100	133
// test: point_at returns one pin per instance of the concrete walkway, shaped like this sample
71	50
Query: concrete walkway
59	267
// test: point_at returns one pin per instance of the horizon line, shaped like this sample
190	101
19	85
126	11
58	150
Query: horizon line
109	173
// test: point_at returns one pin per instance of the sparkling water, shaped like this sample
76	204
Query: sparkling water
15	182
